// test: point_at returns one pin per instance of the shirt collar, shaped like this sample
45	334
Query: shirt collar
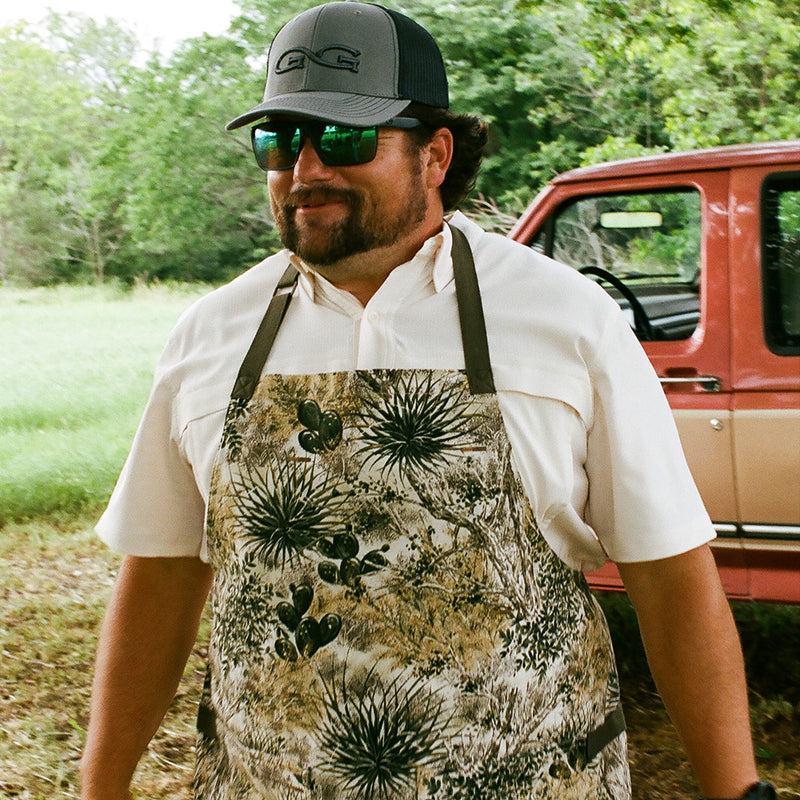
443	261
434	257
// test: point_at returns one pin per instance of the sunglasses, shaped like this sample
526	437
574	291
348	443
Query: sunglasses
277	144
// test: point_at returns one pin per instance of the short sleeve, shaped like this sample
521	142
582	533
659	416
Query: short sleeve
643	503
156	508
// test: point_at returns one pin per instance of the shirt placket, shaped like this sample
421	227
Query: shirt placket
374	342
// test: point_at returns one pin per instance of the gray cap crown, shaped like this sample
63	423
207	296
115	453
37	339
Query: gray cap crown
352	63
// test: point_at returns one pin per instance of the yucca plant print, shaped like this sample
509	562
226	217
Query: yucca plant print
286	508
376	734
415	422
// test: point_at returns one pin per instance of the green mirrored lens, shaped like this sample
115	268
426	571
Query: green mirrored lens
276	148
341	147
277	144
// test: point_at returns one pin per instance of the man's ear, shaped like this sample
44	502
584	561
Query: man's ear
438	154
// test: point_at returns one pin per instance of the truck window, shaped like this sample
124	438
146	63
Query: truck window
781	263
647	241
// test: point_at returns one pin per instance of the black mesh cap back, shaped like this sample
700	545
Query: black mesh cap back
422	75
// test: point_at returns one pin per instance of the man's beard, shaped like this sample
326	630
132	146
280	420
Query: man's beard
366	227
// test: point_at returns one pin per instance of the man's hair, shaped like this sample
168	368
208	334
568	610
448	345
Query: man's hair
470	134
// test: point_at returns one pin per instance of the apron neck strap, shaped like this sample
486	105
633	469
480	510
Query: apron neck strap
250	371
470	314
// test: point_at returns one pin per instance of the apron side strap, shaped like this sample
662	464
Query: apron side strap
470	313
253	363
580	752
206	716
602	736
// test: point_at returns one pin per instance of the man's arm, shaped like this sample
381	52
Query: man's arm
146	638
695	656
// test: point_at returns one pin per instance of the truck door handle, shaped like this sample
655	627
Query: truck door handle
710	383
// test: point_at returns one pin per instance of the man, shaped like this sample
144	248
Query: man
394	499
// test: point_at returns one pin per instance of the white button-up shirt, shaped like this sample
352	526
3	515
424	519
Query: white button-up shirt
590	429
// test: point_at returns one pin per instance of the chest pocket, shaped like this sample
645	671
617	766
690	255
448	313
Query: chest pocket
570	388
197	419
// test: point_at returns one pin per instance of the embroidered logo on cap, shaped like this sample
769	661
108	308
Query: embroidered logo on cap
345	58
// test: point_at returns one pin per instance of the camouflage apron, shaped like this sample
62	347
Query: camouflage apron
388	621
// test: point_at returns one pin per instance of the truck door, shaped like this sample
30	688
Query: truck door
664	240
765	276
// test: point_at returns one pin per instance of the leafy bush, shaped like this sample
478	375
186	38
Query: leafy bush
770	636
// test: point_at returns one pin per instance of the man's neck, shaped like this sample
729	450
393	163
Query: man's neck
362	274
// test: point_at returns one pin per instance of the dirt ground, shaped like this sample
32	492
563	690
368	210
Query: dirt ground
54	585
659	770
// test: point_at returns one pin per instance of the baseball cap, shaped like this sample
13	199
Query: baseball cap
351	63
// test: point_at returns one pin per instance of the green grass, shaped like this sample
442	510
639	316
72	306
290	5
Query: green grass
76	366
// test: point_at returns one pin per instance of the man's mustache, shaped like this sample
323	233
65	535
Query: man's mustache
318	195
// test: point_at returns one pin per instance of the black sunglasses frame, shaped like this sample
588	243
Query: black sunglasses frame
313	130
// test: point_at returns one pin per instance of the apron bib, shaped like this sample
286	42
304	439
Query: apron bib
388	621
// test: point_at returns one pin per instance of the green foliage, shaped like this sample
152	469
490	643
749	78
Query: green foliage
771	641
115	163
733	79
41	117
108	169
770	636
190	193
628	647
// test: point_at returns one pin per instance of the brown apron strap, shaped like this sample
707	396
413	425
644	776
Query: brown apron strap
582	751
206	716
470	313
250	371
602	736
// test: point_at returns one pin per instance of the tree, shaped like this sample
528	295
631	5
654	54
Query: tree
113	164
194	202
55	89
735	79
40	122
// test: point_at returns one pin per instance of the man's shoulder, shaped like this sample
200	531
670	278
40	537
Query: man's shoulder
244	296
246	290
484	243
228	315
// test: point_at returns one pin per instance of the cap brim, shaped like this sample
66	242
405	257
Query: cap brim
344	109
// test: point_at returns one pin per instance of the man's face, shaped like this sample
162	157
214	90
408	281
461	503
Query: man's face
328	214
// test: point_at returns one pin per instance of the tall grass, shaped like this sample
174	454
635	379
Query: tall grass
76	365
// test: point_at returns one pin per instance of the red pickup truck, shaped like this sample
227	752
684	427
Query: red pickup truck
702	251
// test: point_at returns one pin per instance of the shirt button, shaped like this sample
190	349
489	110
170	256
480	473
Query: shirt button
373	316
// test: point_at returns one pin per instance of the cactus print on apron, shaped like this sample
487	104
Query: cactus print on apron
388	621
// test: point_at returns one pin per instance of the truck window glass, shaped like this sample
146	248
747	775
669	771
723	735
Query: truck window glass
781	263
648	241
